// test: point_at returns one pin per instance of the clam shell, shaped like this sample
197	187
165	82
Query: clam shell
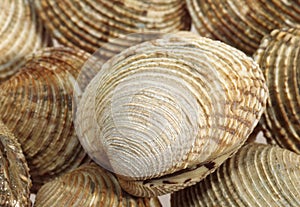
90	23
21	33
89	185
258	175
36	104
14	173
94	63
165	113
242	23
278	57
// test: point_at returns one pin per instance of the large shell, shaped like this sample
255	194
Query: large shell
95	62
36	104
89	185
242	23
90	23
21	33
258	175
165	113
279	58
14	173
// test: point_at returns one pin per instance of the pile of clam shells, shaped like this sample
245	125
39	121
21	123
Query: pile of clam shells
116	103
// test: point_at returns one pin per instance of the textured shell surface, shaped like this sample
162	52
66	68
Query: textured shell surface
15	180
279	59
242	23
89	185
21	33
165	113
92	66
258	175
90	23
36	104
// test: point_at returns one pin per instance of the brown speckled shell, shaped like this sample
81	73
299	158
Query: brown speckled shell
36	105
89	185
258	175
279	58
21	33
14	173
242	23
228	107
90	23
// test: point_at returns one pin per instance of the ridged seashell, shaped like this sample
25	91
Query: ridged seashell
241	23
36	104
258	175
95	62
90	23
14	173
165	113
89	185
21	33
278	57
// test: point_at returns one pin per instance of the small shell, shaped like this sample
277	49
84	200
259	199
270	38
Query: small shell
165	113
90	23
258	175
14	173
89	185
279	58
36	104
242	23
21	33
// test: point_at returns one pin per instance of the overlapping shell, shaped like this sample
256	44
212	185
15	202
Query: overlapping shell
279	58
165	113
89	185
258	175
90	23
21	33
242	23
14	173
36	104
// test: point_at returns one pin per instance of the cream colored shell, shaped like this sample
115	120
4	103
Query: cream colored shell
21	34
279	58
258	175
89	185
165	113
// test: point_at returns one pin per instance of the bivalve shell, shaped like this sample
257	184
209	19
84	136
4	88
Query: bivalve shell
258	175
279	58
242	23
165	113
92	66
90	23
15	180
36	104
89	185
21	33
